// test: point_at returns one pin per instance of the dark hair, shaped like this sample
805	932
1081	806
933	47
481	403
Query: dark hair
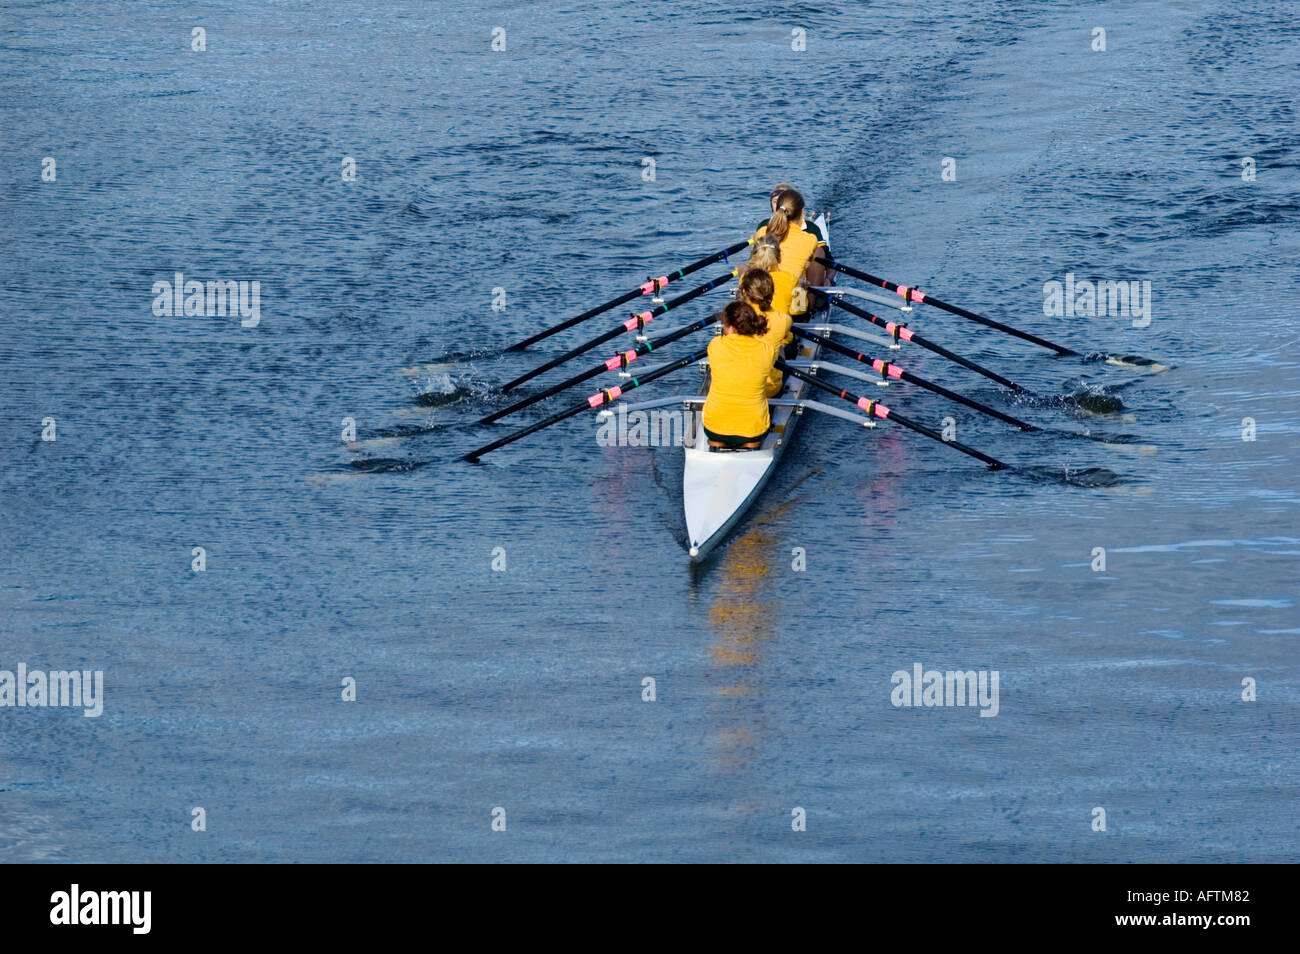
789	209
757	286
744	319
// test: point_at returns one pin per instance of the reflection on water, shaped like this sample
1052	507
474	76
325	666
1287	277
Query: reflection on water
742	623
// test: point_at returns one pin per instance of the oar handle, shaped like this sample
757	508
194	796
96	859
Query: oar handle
876	409
916	295
649	286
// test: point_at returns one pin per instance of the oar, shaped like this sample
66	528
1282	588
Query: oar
887	369
650	286
876	409
906	334
635	323
607	396
620	360
916	295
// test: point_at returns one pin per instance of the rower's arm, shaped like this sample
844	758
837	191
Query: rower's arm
816	273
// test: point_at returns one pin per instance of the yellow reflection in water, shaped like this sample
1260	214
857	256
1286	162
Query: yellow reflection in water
742	620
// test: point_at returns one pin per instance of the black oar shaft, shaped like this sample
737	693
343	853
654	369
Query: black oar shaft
598	310
620	360
911	336
889	369
648	287
636	321
916	295
599	399
876	409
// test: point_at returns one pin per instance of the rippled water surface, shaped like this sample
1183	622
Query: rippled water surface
521	688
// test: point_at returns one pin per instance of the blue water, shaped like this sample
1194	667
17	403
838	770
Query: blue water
521	688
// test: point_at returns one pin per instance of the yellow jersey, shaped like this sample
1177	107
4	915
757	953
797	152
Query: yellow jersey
797	249
737	400
778	335
783	284
778	327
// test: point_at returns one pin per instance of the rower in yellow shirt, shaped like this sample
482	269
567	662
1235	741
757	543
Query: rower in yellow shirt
799	243
808	226
766	254
735	412
756	290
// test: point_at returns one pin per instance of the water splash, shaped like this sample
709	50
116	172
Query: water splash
387	465
1076	476
441	390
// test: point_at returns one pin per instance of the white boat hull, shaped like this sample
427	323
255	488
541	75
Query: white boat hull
718	488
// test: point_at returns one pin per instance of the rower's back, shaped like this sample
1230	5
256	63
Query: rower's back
740	359
766	256
798	245
757	289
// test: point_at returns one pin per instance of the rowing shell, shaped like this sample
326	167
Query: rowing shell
719	487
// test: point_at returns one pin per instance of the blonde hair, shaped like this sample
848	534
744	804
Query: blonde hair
766	253
789	210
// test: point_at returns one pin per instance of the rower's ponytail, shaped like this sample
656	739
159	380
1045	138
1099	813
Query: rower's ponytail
766	254
758	288
789	209
744	319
